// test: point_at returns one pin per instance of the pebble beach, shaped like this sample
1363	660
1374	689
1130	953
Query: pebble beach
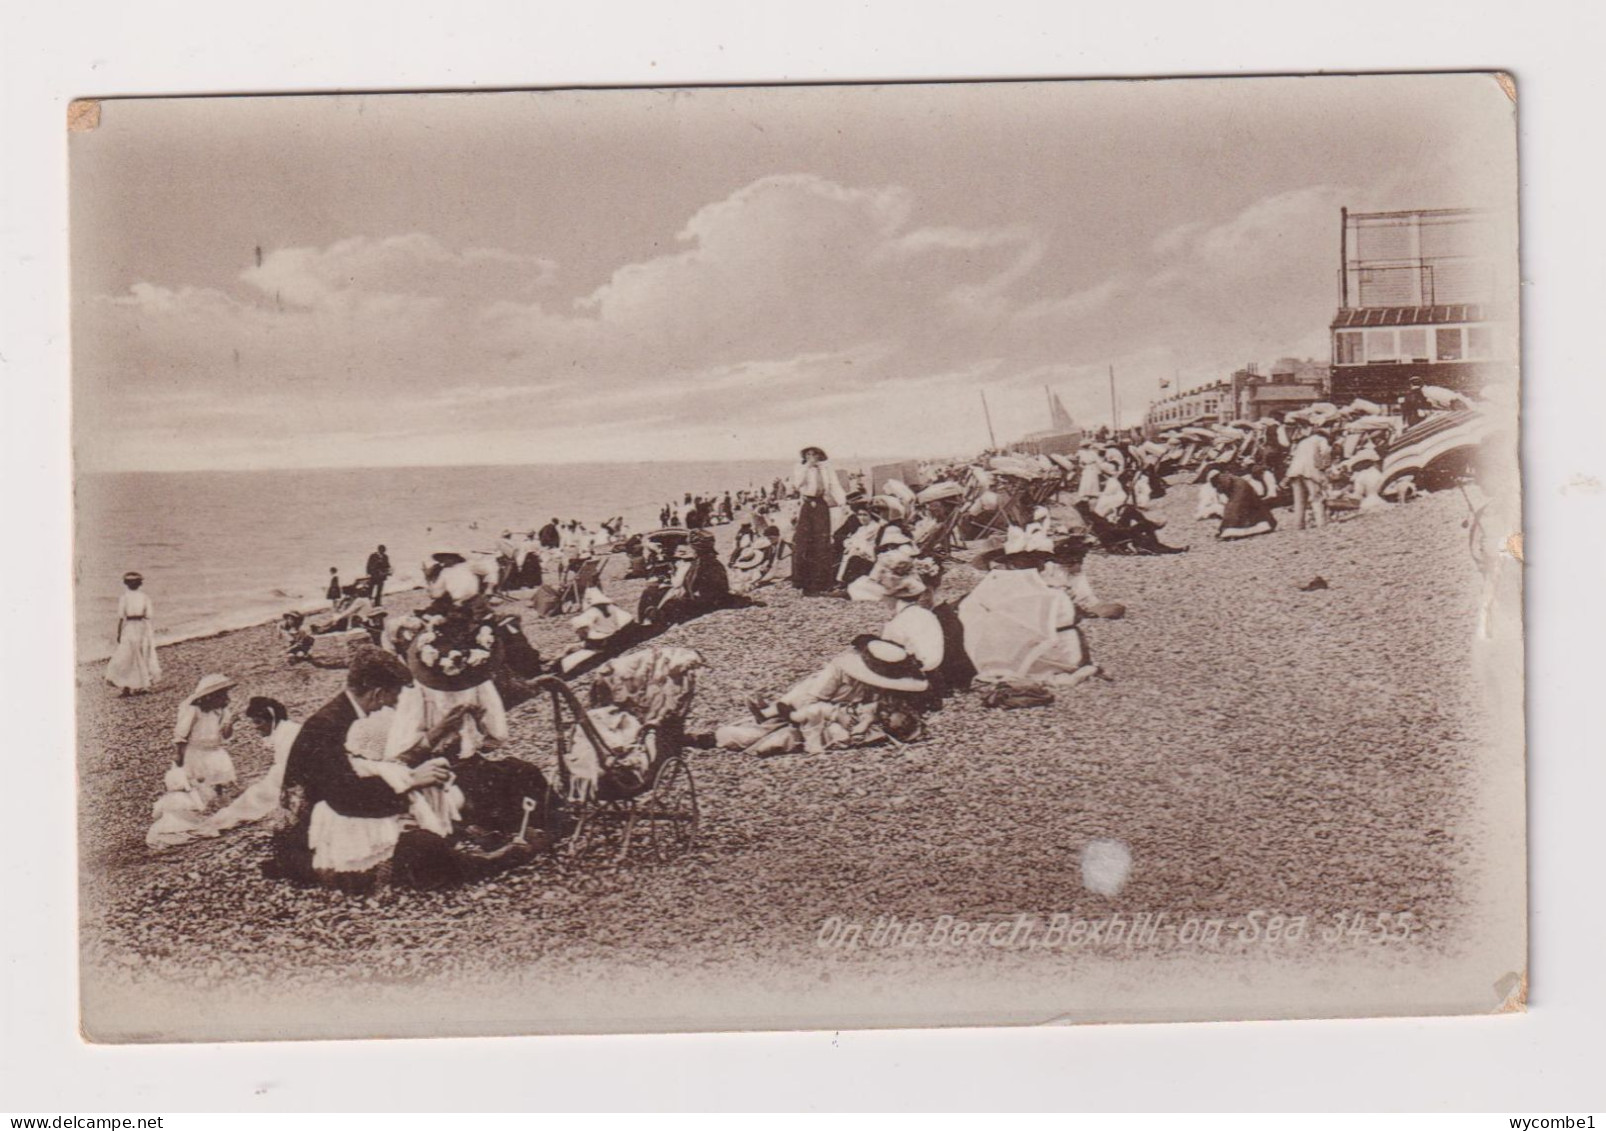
1259	751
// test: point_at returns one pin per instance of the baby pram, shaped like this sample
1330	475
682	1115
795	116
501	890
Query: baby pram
622	766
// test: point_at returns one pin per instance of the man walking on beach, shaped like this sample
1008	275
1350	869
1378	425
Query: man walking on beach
378	570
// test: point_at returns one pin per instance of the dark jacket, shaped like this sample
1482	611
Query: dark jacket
378	566
317	769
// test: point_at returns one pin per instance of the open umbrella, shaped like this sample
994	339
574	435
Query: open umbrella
943	490
1010	621
1372	423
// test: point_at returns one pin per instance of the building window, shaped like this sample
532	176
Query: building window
1414	344
1447	343
1381	346
1478	341
1347	348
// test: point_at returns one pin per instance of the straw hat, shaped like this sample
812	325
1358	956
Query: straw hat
131	575
595	597
209	684
881	663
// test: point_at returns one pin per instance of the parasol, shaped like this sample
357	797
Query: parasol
938	491
1010	620
1371	423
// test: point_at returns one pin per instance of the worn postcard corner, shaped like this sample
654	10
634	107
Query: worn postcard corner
83	115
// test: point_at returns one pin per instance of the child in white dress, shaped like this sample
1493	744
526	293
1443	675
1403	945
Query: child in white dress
204	725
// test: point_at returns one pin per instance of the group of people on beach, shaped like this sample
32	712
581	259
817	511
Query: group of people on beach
404	773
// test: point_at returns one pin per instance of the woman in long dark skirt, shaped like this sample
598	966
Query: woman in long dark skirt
819	489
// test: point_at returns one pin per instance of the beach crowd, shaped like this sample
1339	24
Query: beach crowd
407	775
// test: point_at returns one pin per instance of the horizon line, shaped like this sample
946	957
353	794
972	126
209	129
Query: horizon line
422	466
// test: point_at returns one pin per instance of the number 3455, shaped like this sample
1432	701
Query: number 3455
1378	927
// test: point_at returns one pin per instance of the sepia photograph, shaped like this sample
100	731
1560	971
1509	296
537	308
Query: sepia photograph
797	556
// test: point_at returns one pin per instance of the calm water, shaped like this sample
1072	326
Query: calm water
226	549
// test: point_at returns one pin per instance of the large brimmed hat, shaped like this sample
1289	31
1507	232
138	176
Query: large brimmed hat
209	684
595	597
131	575
881	663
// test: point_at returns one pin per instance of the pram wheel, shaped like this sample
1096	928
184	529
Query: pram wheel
670	809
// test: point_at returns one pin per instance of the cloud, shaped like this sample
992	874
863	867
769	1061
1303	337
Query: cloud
794	309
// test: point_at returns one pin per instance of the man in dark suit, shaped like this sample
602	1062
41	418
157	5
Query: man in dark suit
549	537
1415	404
319	770
378	571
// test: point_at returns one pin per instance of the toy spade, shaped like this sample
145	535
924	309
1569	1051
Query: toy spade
524	825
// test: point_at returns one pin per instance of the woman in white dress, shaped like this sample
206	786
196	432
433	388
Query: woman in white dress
261	797
133	666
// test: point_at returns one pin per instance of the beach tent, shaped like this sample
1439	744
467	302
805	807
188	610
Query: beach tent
1009	621
1444	441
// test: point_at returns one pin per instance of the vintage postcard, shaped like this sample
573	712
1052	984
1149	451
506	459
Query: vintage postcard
815	556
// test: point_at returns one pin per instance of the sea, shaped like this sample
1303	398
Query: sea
228	549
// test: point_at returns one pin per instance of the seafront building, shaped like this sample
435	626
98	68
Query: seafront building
1422	293
1203	404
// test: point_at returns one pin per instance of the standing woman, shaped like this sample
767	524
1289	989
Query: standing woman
818	489
133	666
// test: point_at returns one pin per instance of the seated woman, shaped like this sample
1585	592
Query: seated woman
895	558
272	721
1058	650
751	565
318	772
698	584
346	848
1210	501
598	627
860	697
857	538
1245	513
1366	480
1128	532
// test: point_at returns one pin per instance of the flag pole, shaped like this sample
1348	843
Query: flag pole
1115	413
992	440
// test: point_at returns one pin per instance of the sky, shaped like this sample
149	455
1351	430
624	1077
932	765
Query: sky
390	280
